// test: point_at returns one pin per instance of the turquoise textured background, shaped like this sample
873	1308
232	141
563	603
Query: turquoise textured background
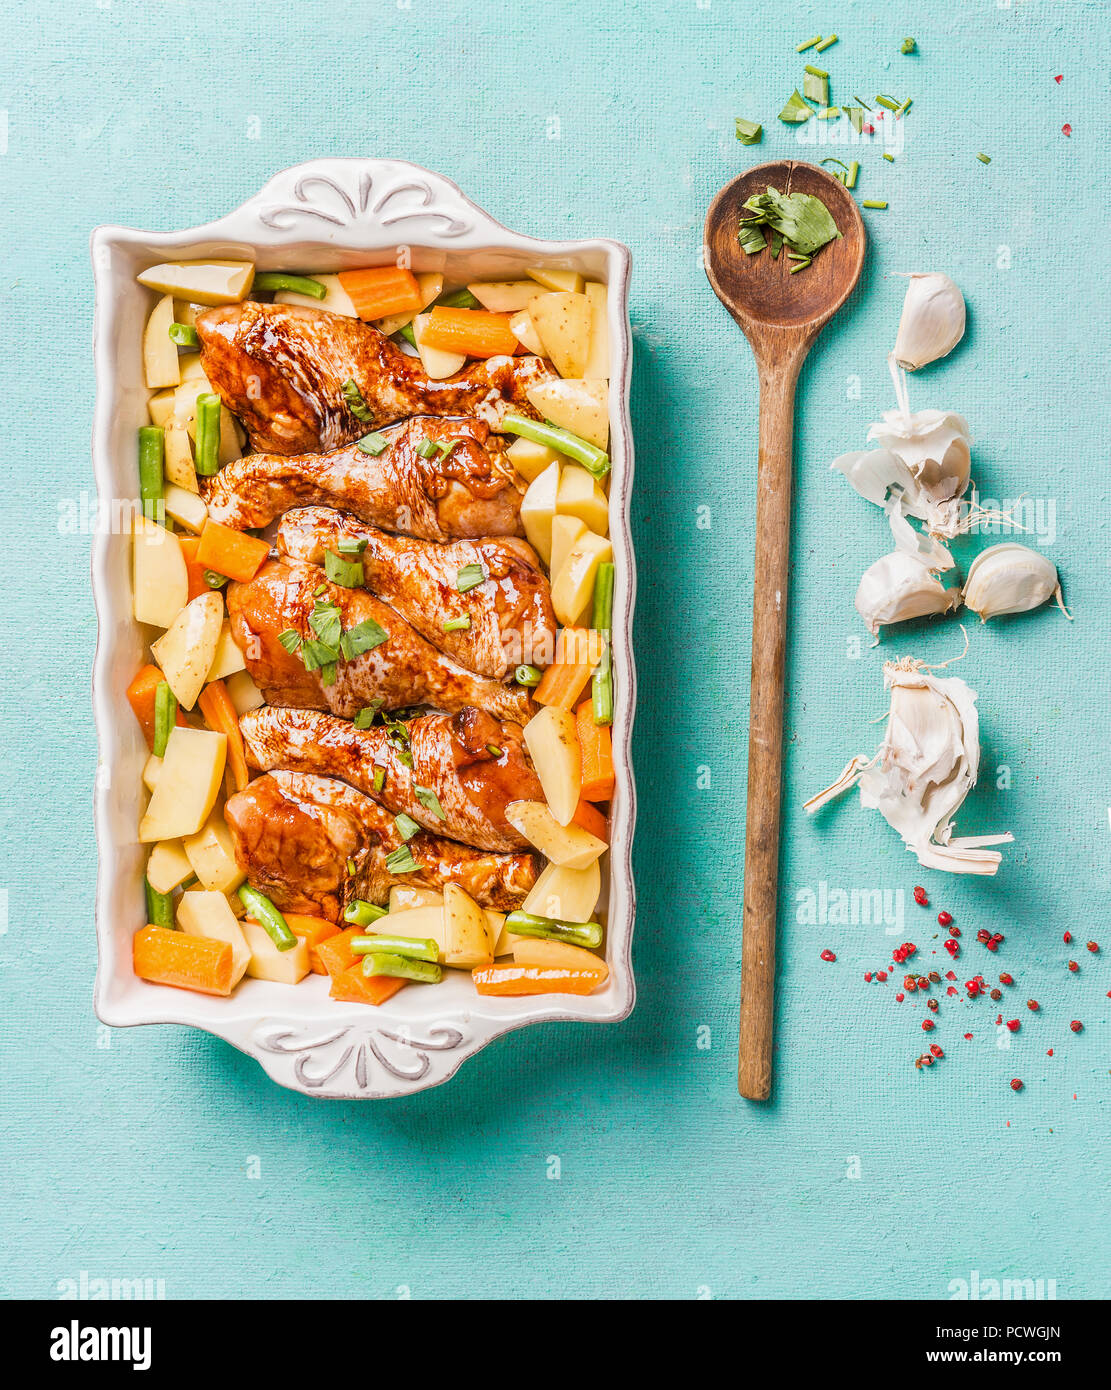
130	1154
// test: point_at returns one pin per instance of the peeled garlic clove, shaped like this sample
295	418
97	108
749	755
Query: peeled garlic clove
932	323
924	769
900	587
1010	578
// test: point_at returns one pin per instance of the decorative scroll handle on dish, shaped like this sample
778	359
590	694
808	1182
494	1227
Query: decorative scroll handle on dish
350	1060
378	193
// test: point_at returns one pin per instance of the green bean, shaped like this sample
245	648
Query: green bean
160	908
165	717
596	461
296	284
528	675
412	947
184	335
587	934
262	910
426	972
151	481
457	299
601	685
207	442
361	914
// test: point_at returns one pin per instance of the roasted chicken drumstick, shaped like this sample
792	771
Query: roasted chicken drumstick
473	765
294	835
471	491
290	597
283	369
509	612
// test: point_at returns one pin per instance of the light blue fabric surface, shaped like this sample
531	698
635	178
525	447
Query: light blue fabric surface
133	1154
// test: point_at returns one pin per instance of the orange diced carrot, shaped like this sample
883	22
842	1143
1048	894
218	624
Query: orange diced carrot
335	953
533	979
381	290
597	754
313	930
353	987
590	818
168	957
195	572
578	651
140	696
219	713
230	552
471	332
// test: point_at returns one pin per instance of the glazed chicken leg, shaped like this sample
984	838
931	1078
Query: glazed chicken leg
473	764
294	835
472	491
282	369
403	670
509	613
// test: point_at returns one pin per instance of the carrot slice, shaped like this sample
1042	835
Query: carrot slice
381	290
590	818
335	953
471	332
195	572
219	713
140	696
597	753
313	930
353	987
532	979
230	552
187	962
578	651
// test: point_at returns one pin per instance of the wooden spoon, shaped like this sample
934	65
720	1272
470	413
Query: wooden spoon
781	315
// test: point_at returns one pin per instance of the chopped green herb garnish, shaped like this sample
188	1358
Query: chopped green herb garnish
802	220
351	545
850	177
290	640
348	574
326	623
872	203
328	673
862	103
809	43
350	868
430	801
856	117
889	157
367	715
316	655
494	750
888	103
907	46
470	577
905	106
426	448
445	448
775	244
815	86
320	590
379	777
184	335
827	113
752	238
406	826
361	638
355	403
214	580
796	111
826	43
458	624
401	861
984	158
372	444
803	263
749	132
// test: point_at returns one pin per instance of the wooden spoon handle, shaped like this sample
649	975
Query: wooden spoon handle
765	736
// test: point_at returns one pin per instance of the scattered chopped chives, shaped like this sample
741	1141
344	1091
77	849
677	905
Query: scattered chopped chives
984	158
425	449
826	43
351	545
856	117
827	113
796	111
850	177
841	162
749	132
290	639
372	444
815	87
907	46
469	577
816	72
365	717
407	827
401	861
445	447
801	265
494	750
430	801
809	43
458	624
863	103
872	203
379	777
888	103
355	402
351	868
889	157
905	106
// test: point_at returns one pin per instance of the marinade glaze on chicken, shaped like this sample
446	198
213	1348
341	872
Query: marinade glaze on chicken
282	370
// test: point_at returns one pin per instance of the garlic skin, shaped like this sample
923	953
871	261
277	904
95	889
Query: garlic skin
900	587
932	322
924	769
1011	578
935	445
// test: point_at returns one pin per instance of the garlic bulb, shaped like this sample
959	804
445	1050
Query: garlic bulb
924	769
900	587
932	323
1011	578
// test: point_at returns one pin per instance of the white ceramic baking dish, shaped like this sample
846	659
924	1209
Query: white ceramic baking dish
327	215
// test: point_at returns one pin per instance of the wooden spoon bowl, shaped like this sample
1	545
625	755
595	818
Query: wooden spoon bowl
781	315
